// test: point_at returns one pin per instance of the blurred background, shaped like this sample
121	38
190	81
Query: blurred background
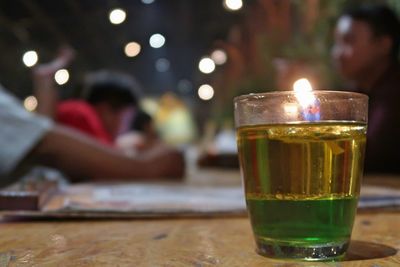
190	57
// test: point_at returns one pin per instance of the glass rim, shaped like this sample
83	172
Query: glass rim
292	92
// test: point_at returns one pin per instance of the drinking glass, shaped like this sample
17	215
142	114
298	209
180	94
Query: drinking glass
301	158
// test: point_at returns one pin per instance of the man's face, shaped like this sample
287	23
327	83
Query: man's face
356	50
116	121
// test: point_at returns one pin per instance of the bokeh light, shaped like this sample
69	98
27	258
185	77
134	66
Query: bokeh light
205	92
30	58
233	4
157	40
206	65
30	103
61	76
219	56
132	49
147	2
117	16
162	65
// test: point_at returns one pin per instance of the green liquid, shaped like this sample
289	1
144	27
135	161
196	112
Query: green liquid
302	182
302	222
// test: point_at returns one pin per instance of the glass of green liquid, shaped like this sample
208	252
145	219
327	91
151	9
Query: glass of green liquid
301	158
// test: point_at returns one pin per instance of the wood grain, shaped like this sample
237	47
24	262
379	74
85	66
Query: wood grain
186	242
180	242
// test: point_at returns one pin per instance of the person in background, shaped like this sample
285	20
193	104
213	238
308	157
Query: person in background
142	135
28	139
144	123
366	55
108	105
107	110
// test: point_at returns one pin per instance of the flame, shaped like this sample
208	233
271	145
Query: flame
304	94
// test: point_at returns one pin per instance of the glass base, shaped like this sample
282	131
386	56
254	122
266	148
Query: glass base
325	252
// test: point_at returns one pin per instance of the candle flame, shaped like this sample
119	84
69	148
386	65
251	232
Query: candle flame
304	94
302	85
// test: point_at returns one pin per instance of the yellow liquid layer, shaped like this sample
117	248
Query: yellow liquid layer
303	160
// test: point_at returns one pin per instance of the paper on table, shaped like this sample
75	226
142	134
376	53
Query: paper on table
134	200
151	199
377	197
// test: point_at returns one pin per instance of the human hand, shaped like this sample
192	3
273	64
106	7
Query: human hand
63	58
166	162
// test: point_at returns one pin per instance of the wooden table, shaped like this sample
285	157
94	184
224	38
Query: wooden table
180	242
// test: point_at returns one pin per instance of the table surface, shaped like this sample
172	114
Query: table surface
181	242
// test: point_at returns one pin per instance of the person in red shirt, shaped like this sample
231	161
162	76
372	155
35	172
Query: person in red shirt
109	104
82	116
84	150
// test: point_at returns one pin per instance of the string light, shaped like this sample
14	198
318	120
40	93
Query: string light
132	49
162	65
157	40
233	4
30	103
206	65
205	92
219	56
30	58
61	76
117	16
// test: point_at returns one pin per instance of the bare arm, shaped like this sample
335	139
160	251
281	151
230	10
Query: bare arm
81	157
